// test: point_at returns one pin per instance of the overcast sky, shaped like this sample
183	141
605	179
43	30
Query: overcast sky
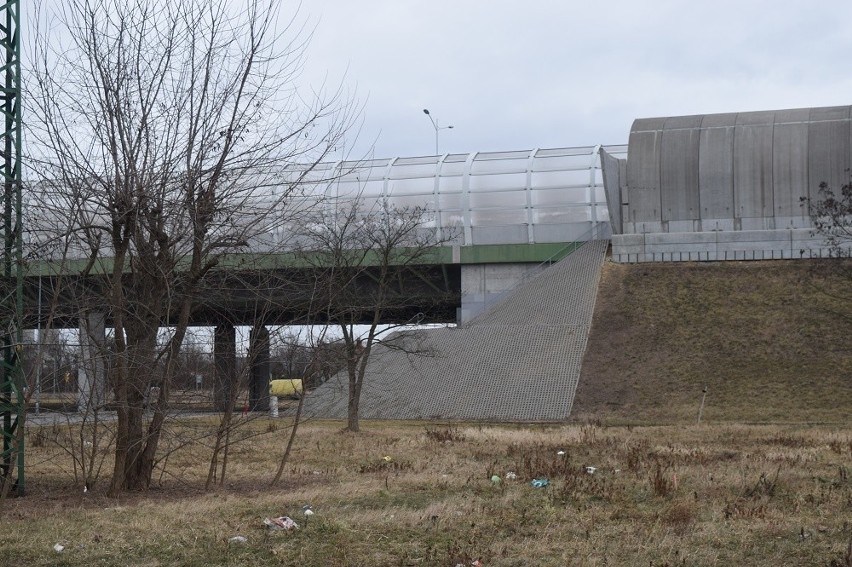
535	73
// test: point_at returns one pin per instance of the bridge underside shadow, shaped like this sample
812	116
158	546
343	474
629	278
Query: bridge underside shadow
519	361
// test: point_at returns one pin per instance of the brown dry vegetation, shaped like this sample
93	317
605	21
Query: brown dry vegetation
720	494
769	340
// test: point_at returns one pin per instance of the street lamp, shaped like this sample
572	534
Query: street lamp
437	128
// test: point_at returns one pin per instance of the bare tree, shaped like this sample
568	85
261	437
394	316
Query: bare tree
373	280
831	216
310	358
167	131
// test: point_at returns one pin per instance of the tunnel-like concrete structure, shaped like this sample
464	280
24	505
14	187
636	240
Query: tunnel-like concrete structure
725	186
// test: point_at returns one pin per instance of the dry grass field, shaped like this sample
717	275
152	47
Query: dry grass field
422	494
763	480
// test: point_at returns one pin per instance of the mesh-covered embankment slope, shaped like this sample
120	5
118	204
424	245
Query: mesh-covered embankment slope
519	361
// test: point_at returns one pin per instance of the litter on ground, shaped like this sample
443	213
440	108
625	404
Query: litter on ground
282	523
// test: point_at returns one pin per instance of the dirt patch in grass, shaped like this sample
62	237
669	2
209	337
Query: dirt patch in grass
769	341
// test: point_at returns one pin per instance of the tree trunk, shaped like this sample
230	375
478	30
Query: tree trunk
135	453
286	455
352	422
134	470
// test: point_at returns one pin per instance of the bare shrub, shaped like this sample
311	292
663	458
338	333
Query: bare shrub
680	515
840	447
589	434
764	486
38	438
744	510
792	441
543	460
660	482
754	501
580	485
636	454
845	560
449	433
384	465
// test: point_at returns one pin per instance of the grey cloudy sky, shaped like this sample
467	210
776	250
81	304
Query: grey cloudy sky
517	75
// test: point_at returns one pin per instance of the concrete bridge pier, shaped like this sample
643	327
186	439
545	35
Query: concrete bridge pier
91	372
259	376
225	362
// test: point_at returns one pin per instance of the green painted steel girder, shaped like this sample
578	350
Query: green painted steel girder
12	404
475	254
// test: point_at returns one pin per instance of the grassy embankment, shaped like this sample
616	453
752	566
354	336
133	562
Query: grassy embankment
769	341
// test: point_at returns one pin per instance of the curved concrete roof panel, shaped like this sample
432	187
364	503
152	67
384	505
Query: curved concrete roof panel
789	161
678	122
829	147
679	169
756	118
645	124
829	113
716	167
726	120
792	116
733	171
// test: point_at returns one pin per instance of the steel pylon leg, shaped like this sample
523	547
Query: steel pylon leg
12	402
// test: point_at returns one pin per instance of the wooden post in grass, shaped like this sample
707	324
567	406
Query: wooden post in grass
701	407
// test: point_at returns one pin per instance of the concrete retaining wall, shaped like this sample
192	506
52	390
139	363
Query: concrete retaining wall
718	245
482	285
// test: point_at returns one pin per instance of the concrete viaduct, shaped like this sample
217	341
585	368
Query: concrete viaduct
513	213
690	188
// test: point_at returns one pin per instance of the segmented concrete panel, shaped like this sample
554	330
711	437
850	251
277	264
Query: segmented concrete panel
753	168
733	171
520	361
753	165
679	168
643	171
790	163
828	148
716	166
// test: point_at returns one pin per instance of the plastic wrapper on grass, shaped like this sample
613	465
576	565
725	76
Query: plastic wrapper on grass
284	523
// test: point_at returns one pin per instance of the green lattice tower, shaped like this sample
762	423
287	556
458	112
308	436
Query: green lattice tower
12	404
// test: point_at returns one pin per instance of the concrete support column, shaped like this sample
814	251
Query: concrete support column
259	380
91	371
225	362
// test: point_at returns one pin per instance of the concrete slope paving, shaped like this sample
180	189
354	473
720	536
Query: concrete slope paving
519	361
